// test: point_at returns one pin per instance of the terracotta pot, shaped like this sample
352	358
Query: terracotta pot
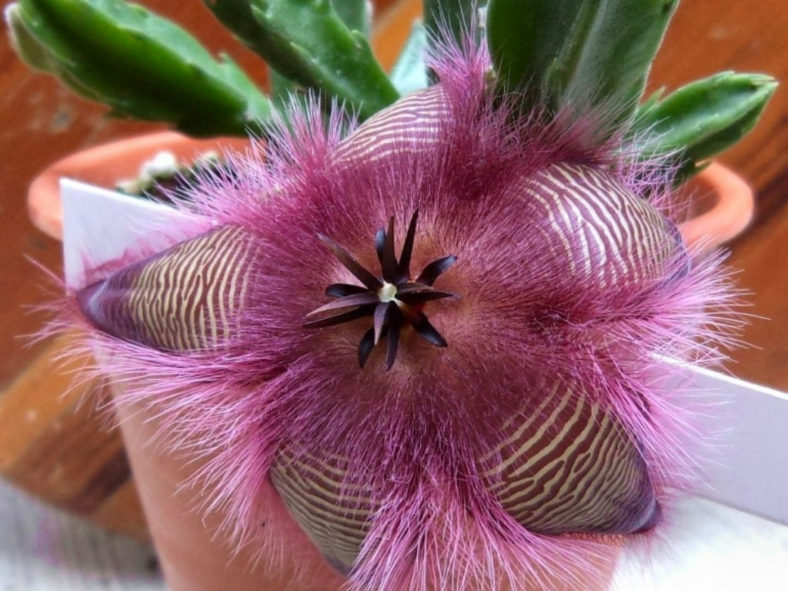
105	165
722	206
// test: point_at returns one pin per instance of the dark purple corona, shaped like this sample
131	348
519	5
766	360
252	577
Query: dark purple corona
394	299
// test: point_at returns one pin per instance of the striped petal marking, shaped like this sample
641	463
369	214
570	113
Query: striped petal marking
597	228
565	466
187	298
334	510
409	126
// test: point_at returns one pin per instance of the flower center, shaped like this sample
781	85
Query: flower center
388	292
394	299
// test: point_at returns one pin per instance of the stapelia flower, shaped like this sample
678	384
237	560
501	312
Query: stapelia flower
440	337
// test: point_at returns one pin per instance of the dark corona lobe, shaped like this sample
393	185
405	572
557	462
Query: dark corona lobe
394	299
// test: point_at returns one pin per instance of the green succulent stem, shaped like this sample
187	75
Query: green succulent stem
577	54
326	54
309	43
356	14
137	63
703	118
563	56
237	16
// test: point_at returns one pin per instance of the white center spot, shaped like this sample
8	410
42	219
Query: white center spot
387	293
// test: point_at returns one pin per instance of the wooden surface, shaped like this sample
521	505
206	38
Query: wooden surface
56	444
43	549
710	547
40	122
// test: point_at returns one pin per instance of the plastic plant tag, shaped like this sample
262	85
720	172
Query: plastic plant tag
751	472
100	225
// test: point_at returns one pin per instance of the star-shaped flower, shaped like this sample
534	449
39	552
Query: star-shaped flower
544	426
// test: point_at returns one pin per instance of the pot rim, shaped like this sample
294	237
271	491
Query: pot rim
92	165
731	212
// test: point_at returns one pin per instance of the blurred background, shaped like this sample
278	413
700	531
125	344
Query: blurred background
61	451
